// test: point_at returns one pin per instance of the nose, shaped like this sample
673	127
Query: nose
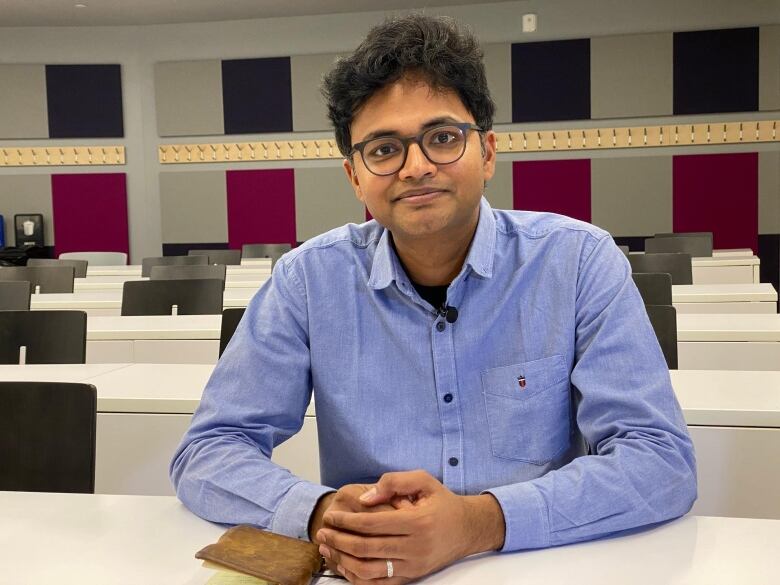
416	165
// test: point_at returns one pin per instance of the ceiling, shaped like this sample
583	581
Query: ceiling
137	12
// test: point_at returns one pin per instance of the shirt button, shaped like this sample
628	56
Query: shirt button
440	326
448	398
454	461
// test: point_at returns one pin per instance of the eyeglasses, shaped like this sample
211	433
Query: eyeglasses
442	145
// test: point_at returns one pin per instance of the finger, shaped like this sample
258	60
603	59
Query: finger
390	523
373	547
365	569
399	483
355	580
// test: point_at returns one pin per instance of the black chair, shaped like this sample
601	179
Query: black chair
148	263
157	297
15	295
272	251
50	337
230	320
696	246
79	266
664	321
227	257
677	265
218	271
47	437
655	287
51	279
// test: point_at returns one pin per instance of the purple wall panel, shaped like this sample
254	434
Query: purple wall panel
90	212
261	207
718	193
559	186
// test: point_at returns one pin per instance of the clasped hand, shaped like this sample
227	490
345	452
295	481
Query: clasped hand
408	518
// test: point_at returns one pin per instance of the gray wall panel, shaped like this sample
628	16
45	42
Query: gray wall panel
23	112
26	194
498	69
632	196
769	192
193	207
324	200
631	76
769	68
499	188
309	112
188	95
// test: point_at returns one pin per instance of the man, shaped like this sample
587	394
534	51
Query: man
484	380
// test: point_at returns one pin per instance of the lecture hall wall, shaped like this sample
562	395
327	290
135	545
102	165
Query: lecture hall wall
154	85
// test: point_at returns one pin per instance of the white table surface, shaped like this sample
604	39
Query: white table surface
728	327
88	285
733	252
154	327
253	263
112	299
85	539
725	260
723	293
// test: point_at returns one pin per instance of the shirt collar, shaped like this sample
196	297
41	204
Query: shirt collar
387	268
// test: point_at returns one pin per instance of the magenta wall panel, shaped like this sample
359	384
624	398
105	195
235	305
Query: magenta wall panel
560	186
90	212
261	207
718	193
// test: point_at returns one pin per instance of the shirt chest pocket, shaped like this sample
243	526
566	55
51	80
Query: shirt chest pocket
528	409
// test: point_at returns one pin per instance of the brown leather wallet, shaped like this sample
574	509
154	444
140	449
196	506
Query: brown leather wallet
272	557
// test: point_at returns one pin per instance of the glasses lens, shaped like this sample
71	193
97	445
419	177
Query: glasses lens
384	156
444	144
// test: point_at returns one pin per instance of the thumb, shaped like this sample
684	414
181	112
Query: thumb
409	484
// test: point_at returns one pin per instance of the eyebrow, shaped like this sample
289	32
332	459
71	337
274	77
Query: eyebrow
429	124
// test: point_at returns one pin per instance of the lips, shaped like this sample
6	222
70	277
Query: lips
422	193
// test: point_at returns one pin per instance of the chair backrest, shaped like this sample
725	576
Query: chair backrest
50	337
678	265
227	257
97	258
272	251
664	321
624	249
218	271
148	263
47	437
79	266
230	320
655	287
157	297
15	295
696	246
51	279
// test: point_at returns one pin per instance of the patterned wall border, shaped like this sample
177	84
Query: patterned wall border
58	156
702	134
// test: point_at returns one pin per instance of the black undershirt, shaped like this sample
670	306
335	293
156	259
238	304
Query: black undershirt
435	295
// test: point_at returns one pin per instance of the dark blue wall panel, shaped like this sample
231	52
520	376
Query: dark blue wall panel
716	71
84	101
257	95
551	81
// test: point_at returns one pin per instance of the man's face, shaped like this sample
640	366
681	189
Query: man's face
422	199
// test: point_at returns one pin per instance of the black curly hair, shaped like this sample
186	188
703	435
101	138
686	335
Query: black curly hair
445	55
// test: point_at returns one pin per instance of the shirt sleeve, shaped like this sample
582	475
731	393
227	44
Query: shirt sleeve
255	399
641	468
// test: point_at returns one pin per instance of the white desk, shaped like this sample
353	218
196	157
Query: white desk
84	539
144	409
88	285
726	269
135	269
99	303
728	342
733	253
724	298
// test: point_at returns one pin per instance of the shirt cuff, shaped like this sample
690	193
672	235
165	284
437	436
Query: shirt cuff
525	516
292	516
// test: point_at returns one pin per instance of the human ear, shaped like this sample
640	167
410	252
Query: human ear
349	169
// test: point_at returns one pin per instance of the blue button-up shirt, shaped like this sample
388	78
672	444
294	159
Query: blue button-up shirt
550	390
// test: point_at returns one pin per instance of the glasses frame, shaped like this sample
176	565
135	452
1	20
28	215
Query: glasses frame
464	127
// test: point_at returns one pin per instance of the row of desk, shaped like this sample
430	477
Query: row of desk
105	298
77	539
705	341
144	409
